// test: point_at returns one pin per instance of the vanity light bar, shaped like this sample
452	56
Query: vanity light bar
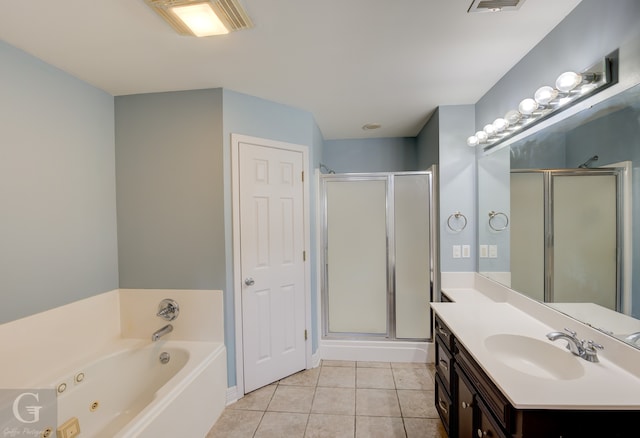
570	88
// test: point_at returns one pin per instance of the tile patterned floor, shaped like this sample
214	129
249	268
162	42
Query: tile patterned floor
340	399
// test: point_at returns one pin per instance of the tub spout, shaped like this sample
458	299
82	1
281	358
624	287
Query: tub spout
163	331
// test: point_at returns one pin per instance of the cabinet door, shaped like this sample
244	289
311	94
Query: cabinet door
486	425
465	397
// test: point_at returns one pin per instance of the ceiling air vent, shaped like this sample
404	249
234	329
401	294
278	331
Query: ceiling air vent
495	5
230	12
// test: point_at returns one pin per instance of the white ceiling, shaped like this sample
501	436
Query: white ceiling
348	62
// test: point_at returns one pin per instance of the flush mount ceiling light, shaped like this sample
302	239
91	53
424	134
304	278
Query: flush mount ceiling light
370	126
202	17
570	88
494	5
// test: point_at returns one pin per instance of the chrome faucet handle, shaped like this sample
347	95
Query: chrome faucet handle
168	309
571	332
593	345
590	350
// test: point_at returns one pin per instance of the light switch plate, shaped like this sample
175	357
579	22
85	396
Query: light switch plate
493	251
466	251
484	251
456	251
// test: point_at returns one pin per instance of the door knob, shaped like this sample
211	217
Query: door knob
249	281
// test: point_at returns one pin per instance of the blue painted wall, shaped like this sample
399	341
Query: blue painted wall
58	240
371	155
593	29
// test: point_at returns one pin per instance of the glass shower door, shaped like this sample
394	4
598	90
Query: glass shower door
585	242
412	242
379	268
357	255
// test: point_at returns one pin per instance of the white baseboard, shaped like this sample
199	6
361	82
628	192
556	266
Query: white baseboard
377	351
232	395
315	359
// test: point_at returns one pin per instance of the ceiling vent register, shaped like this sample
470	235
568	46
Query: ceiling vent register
230	12
495	5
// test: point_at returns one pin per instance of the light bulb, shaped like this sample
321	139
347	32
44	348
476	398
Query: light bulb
500	124
567	81
473	141
527	106
545	94
482	136
512	117
490	130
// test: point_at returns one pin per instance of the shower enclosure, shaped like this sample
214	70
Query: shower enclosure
566	235
379	259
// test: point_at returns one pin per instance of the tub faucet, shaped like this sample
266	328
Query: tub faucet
161	332
581	348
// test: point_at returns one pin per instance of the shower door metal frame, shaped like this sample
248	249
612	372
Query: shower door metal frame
548	175
434	273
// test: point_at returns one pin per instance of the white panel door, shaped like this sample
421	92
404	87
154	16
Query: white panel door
272	265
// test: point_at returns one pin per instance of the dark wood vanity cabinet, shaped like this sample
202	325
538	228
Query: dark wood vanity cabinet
471	405
444	374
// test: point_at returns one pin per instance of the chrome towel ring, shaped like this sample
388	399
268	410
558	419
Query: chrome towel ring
459	217
493	215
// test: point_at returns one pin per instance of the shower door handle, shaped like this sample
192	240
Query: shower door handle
249	281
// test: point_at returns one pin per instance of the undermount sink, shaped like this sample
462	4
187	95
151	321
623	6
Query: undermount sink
534	357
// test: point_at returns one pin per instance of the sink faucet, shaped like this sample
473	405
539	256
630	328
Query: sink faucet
161	332
633	337
582	348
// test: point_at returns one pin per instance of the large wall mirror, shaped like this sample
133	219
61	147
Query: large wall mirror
559	215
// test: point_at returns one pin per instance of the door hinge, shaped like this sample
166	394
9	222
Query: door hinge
305	334
303	176
304	256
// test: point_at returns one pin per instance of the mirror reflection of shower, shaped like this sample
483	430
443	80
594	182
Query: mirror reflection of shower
325	169
587	163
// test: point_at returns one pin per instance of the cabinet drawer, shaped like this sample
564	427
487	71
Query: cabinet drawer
493	398
444	333
443	404
444	363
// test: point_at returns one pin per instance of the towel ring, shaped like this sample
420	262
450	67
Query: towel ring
492	216
457	215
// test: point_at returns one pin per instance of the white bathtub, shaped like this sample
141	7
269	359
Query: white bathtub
128	392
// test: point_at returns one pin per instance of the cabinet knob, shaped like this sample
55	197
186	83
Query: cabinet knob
466	405
481	433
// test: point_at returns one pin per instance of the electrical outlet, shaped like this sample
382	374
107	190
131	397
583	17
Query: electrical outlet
456	251
466	251
484	251
493	251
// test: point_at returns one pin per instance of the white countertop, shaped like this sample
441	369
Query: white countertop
474	317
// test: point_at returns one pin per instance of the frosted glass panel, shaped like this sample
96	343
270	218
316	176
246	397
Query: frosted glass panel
584	259
357	256
527	234
412	260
